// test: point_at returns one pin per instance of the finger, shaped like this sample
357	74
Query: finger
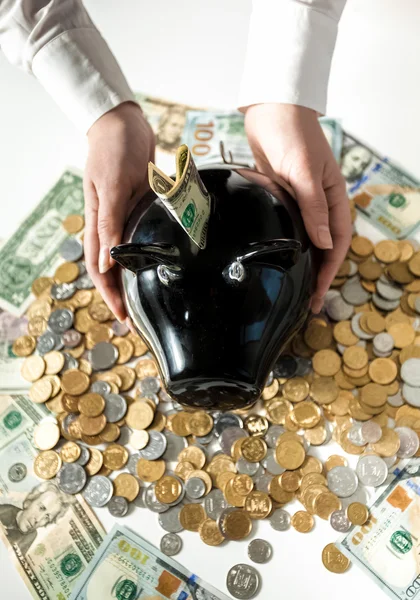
113	201
108	286
312	202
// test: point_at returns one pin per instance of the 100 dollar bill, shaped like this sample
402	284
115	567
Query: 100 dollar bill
51	536
127	567
387	547
32	250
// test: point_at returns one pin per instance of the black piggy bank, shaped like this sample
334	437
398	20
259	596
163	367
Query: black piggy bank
217	319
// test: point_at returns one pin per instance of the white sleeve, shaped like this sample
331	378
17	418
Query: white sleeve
290	47
57	42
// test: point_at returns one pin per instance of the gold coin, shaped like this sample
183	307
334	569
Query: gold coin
210	533
73	223
335	460
200	423
183	469
70	452
312	479
191	516
46	435
100	332
47	464
242	484
373	394
343	334
92	425
402	333
139	439
290	481
41	391
74	382
95	462
400	272
340	407
54	362
370	271
40	308
361	246
140	347
388	445
334	560
127	375
310	494
110	433
411	351
254	449
311	464
270	391
41	285
180	423
159	422
24	345
387	251
37	326
77	353
258	504
146	368
66	272
306	414
91	404
33	368
317	435
357	513
70	403
222	479
277	491
324	390
83	321
414	264
139	415
237	525
375	323
355	357
326	363
55	383
125	349
318	335
99	311
127	486
278	409
115	457
193	455
256	425
168	489
325	504
383	370
150	470
302	521
296	389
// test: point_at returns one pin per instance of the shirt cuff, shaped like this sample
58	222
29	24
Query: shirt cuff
289	56
79	71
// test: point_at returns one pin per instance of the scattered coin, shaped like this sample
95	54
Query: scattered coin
334	560
170	544
260	551
243	581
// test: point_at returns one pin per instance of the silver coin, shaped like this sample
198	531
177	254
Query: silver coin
98	491
396	400
82	267
339	521
67	421
353	268
409	442
371	470
164	396
269	462
120	329
417	304
390	460
152	503
342	481
174	445
227	420
150	396
156	446
71	478
371	432
170	544
243	581
410	372
46	342
169	520
280	520
260	551
150	385
357	330
262	482
229	436
273	434
204	439
215	503
411	395
247	468
72	338
118	506
132	463
115	407
69	362
353	292
84	456
360	495
62	291
304	366
285	367
100	387
384	304
84	282
195	487
140	500
354	435
383	342
125	434
270	379
338	309
221	521
71	249
388	291
17	472
60	320
103	356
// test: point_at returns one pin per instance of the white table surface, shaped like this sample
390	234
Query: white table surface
374	89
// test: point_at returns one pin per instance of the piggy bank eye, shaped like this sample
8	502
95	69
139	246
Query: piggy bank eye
168	274
236	271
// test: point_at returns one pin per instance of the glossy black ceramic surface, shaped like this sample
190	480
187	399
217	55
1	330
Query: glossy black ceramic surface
217	319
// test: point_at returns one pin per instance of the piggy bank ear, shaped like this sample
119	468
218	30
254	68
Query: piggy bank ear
281	253
138	256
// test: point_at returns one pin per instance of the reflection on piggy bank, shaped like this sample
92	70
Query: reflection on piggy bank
217	319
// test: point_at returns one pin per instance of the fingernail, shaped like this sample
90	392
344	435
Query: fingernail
324	237
103	262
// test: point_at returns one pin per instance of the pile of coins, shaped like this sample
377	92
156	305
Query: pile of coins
351	375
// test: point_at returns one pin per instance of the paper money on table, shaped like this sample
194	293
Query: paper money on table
186	198
126	566
11	327
51	536
32	250
334	134
384	193
387	547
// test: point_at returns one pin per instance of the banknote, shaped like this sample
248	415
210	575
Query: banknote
387	547
127	567
11	327
51	536
33	248
186	198
334	133
384	193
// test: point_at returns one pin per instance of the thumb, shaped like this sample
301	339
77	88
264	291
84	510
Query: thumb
312	202
111	219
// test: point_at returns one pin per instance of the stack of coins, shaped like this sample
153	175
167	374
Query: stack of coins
352	375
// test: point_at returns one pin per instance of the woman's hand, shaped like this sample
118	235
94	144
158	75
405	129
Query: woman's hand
288	144
121	143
